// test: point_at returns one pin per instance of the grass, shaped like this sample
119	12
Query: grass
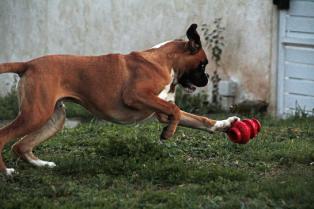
102	165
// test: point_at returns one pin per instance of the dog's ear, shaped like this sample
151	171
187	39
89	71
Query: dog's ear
194	43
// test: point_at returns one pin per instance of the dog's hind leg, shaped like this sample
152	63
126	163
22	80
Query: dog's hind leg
26	122
36	107
24	147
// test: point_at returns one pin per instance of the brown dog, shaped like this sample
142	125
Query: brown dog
118	88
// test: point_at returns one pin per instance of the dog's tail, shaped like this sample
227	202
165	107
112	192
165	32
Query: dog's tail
14	67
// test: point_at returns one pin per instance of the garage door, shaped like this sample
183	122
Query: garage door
296	58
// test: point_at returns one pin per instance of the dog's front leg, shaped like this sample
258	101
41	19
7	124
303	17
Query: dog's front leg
200	122
155	104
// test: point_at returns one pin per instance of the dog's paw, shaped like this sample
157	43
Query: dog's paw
9	172
51	164
224	125
165	134
42	163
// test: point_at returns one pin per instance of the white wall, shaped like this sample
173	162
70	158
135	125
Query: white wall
31	28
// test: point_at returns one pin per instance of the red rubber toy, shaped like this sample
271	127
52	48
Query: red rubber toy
242	131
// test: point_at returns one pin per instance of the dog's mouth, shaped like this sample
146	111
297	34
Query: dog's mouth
191	81
189	88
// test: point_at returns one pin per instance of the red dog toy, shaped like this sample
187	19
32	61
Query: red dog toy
242	131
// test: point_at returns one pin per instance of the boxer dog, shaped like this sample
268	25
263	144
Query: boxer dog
118	88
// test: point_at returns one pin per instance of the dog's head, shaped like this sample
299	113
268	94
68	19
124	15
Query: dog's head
191	63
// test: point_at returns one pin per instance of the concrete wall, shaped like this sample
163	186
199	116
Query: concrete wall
31	28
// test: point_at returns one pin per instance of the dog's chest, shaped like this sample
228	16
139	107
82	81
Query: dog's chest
168	93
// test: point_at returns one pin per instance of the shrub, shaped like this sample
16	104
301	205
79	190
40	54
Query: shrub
9	106
197	103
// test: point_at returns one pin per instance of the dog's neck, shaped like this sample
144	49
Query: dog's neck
172	51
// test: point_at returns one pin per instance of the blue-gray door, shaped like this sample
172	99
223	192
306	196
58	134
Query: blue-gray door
296	58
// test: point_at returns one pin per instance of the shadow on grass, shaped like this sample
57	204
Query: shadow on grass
144	159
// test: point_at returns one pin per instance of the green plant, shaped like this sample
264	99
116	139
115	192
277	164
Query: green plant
300	112
214	40
197	103
9	106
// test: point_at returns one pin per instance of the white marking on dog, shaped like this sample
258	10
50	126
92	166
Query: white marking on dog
222	125
160	44
165	94
42	163
9	171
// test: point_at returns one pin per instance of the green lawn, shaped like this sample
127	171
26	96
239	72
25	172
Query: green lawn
101	165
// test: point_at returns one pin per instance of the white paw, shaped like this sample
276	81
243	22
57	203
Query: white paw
42	163
51	164
9	171
223	125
